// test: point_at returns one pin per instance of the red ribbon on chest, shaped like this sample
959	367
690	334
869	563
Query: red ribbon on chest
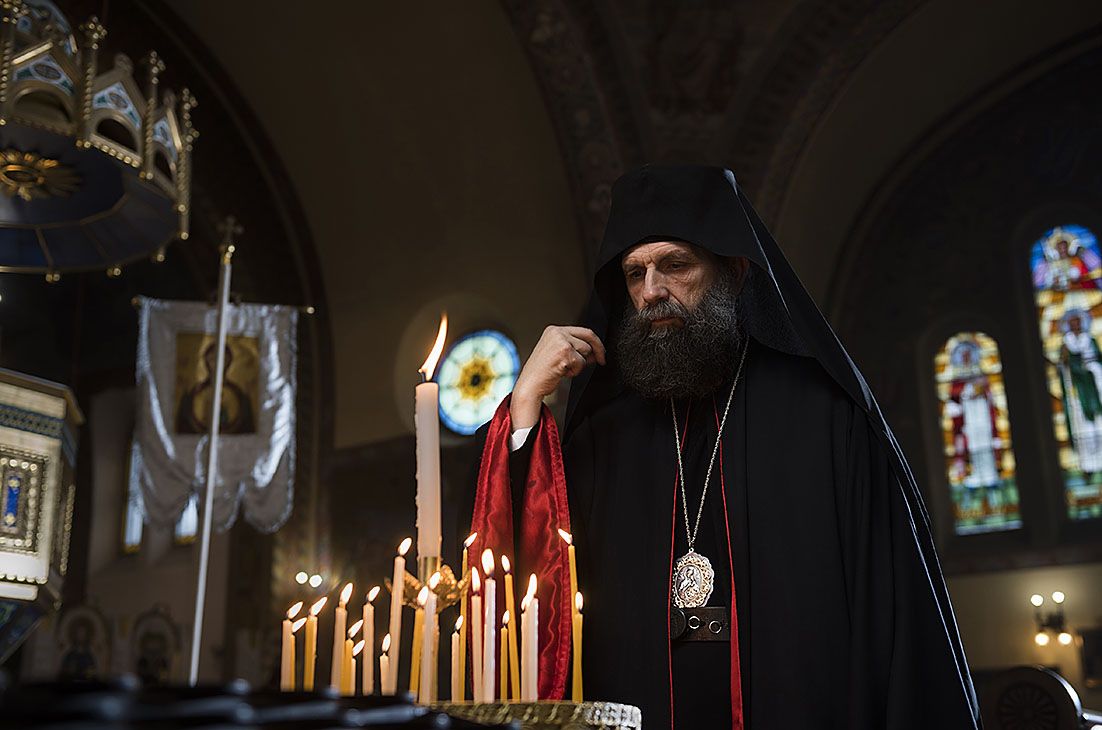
542	550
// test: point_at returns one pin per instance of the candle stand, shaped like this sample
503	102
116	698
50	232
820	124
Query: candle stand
548	715
448	590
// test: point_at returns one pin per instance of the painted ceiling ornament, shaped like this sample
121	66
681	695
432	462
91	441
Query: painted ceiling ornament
96	164
30	176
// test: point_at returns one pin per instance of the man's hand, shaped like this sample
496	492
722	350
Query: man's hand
561	352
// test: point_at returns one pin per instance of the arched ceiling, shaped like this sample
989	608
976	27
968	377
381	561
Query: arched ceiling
433	173
943	57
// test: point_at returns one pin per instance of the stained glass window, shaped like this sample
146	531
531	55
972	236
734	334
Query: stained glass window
975	426
1067	285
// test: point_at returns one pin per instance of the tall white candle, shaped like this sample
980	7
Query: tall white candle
369	641
311	644
397	586
287	660
340	622
428	643
476	635
427	422
384	667
457	666
529	679
489	634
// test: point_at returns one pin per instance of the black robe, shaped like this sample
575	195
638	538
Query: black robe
835	614
843	616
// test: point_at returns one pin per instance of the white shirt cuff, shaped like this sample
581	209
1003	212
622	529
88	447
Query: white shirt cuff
518	437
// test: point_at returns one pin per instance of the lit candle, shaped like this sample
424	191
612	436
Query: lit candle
476	635
577	693
457	666
311	648
359	647
573	564
461	695
347	682
529	682
504	680
384	667
428	639
369	637
348	669
418	630
489	635
397	585
339	626
298	624
510	611
427	423
287	658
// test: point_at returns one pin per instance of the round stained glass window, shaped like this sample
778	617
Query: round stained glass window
478	372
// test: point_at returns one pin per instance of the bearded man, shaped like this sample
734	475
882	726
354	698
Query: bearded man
752	546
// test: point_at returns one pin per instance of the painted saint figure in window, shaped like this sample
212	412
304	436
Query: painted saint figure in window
976	428
1067	281
1081	376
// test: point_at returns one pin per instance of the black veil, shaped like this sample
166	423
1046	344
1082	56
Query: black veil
705	206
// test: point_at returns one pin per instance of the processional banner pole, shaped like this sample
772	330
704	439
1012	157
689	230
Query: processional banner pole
229	229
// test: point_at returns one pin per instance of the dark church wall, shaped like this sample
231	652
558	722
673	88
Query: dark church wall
947	250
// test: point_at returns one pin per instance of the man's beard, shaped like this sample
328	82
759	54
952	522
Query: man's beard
692	360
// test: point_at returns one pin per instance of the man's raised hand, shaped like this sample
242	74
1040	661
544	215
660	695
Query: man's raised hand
561	352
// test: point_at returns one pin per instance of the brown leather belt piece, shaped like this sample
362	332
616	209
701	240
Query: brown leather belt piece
707	623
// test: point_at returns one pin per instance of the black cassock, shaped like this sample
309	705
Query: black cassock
843	616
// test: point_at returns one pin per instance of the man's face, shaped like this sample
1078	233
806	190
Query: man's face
668	270
681	335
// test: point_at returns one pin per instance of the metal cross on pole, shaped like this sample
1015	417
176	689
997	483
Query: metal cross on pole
230	229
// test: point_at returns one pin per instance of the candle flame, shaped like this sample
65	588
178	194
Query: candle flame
476	582
488	562
459	624
524	602
358	647
532	585
505	564
298	624
386	643
566	536
505	619
372	594
470	539
434	580
355	629
293	610
578	601
403	548
346	594
429	365
423	596
318	605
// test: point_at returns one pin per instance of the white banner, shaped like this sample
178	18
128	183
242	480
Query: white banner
177	349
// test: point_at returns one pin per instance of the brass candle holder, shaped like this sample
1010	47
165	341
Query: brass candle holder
448	590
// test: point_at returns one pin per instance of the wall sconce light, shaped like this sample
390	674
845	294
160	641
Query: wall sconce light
1051	624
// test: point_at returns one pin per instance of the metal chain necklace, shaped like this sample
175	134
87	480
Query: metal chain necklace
693	576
